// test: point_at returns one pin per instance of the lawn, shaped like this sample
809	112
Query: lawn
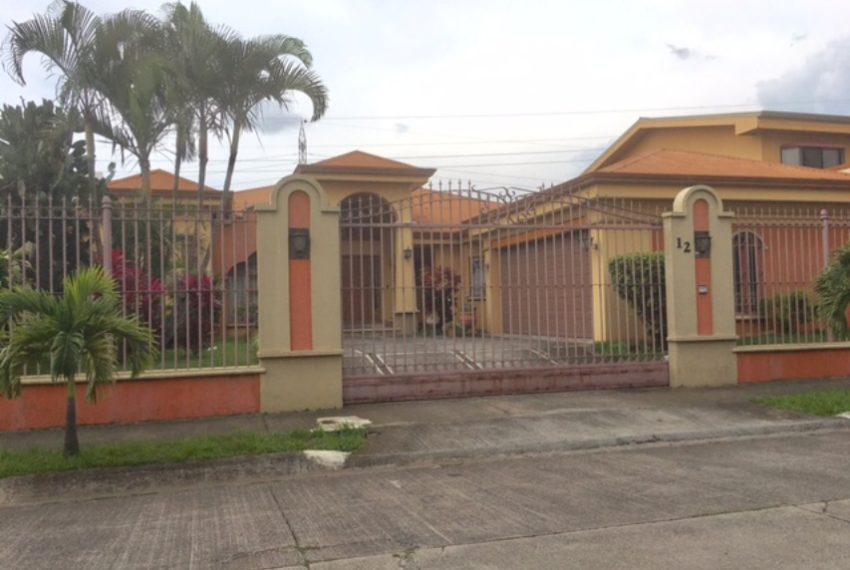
822	403
187	450
227	352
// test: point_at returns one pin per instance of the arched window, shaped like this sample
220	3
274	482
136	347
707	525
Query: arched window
748	265
241	287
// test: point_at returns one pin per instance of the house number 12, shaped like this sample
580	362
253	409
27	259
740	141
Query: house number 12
683	245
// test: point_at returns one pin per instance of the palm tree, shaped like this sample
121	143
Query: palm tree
78	332
264	69
65	37
135	77
195	48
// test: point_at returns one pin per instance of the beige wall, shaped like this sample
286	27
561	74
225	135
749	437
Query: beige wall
708	140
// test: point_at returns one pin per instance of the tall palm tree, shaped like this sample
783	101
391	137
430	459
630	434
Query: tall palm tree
65	37
134	77
265	69
194	47
78	333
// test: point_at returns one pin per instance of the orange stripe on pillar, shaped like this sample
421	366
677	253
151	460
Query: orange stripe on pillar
705	312
300	281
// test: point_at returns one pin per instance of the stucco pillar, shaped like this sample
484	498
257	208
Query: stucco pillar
300	313
700	290
404	303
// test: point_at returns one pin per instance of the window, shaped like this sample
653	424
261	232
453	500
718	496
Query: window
813	156
747	250
478	278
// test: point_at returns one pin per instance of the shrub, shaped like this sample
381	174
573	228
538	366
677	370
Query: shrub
197	305
638	278
788	312
437	289
142	295
833	290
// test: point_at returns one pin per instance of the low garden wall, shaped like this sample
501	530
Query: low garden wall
766	363
153	397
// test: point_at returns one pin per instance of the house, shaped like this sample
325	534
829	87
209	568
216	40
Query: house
537	266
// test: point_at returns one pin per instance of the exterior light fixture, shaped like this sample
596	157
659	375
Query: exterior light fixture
702	244
299	243
408	253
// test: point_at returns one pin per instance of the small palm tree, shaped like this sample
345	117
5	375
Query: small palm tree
78	333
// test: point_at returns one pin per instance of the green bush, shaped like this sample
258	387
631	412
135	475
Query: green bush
638	278
833	291
788	312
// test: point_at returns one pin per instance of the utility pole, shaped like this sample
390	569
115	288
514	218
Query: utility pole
302	144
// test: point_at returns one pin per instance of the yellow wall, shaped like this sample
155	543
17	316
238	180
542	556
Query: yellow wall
723	140
707	140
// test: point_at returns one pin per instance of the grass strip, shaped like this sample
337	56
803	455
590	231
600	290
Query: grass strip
821	403
189	450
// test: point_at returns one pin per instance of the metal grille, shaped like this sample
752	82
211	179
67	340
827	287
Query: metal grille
777	254
185	270
456	279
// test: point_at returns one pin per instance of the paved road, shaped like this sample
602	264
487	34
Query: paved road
768	502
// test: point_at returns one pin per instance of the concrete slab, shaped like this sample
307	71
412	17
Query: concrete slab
784	537
475	511
234	527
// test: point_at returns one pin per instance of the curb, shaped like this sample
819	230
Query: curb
148	479
410	458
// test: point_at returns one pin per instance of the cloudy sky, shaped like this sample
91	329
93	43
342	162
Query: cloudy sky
507	93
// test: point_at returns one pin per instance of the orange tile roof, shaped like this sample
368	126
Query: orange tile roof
664	162
359	162
246	198
360	159
161	181
444	208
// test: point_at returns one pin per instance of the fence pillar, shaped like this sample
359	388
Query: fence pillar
700	290
299	304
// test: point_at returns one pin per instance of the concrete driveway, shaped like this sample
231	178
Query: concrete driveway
376	354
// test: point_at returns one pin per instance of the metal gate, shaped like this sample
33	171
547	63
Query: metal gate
456	291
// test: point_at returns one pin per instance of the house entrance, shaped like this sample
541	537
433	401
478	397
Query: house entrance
457	291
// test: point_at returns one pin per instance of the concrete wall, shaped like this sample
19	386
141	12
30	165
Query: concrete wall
792	362
155	398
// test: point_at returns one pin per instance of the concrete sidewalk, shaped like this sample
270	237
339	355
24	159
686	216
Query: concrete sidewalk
438	429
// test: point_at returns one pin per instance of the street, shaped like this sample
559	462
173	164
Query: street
766	502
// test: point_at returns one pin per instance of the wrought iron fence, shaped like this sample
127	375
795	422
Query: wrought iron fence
186	271
456	279
778	252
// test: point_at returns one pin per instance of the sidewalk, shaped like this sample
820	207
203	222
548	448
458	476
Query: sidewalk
440	429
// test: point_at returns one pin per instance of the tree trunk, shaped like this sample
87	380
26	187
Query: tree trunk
178	160
145	166
231	160
72	443
203	156
90	158
175	190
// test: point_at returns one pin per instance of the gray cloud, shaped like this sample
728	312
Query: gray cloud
680	52
820	85
685	53
274	119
